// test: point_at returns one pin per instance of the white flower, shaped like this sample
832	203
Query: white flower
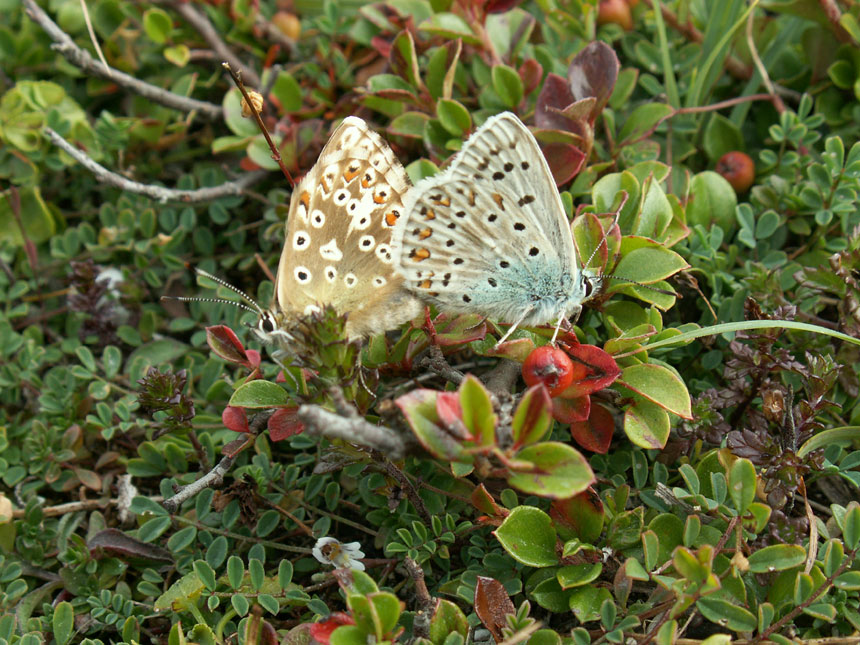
329	550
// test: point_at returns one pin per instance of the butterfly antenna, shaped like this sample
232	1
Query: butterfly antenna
624	198
222	301
256	308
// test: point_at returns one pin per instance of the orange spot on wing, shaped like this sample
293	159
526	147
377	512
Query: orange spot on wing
379	199
419	254
442	201
425	233
498	199
425	284
351	173
391	218
471	198
305	199
430	214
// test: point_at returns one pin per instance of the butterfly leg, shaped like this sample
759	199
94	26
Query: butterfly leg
514	326
557	327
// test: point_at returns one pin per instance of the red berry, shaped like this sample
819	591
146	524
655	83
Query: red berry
738	169
617	11
550	366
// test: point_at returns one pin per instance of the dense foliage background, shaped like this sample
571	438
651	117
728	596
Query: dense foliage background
704	489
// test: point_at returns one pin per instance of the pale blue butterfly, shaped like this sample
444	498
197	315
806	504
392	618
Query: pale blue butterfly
489	234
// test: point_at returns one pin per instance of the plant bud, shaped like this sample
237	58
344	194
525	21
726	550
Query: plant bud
256	104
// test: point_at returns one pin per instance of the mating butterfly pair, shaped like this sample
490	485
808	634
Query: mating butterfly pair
488	235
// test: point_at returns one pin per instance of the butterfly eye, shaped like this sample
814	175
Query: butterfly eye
267	324
589	287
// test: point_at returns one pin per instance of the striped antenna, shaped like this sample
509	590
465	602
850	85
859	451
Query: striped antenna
222	301
256	308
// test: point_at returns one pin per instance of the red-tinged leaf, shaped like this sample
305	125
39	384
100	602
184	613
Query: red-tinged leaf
554	94
125	547
588	233
564	159
530	73
500	6
601	368
517	349
403	60
254	357
382	45
571	410
459	330
493	605
478	416
448	408
556	470
224	342
595	434
484	502
419	408
248	165
580	516
533	418
593	73
88	478
322	630
284	423
235	419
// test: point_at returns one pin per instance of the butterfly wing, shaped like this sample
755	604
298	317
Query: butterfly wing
489	234
338	235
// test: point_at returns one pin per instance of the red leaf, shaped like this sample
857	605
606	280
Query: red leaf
554	94
322	630
500	6
125	547
448	408
602	370
382	45
492	605
564	159
530	73
593	73
247	164
284	423
571	410
594	434
579	516
254	357
235	419
484	502
226	344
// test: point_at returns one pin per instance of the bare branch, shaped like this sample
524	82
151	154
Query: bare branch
201	24
157	193
213	478
81	58
320	422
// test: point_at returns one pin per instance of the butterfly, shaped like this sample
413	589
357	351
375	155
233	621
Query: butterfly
338	248
489	234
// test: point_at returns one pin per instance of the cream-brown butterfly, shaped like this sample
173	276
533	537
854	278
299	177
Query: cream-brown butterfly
337	249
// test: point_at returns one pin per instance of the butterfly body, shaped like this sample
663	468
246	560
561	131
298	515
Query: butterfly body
338	249
489	234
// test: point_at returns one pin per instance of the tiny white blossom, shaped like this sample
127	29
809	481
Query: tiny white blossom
329	550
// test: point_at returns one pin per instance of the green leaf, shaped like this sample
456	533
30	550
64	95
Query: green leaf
712	201
288	93
259	394
726	614
181	594
721	136
527	534
454	117
447	619
642	119
647	425
179	55
387	608
508	85
742	484
647	265
419	408
851	527
478	415
576	575
36	217
585	602
157	25
844	436
235	571
449	25
659	385
206	574
63	622
849	581
533	416
558	470
776	558
240	603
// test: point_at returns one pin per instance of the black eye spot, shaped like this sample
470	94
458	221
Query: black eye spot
449	243
452	225
353	206
484	163
504	264
458	260
302	275
416	231
460	213
519	226
498	175
526	199
533	251
478	176
492	282
524	165
365	243
300	240
509	167
493	217
447	276
466	299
